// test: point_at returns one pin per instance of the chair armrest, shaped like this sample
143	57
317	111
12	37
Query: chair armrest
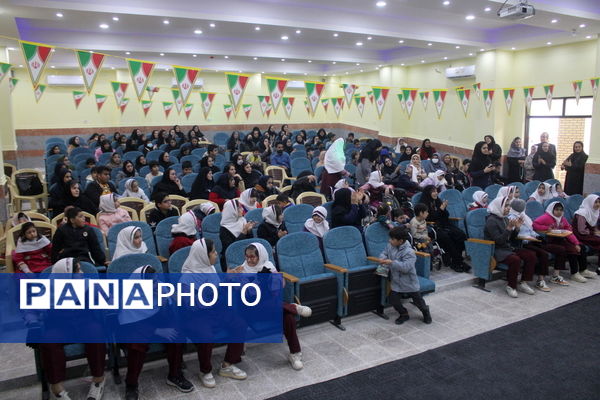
482	257
480	241
335	268
455	219
162	259
422	254
374	259
289	278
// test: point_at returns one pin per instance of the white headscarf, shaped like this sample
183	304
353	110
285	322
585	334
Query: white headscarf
15	219
335	159
496	207
245	199
586	210
435	177
540	199
270	216
187	223
527	222
198	261
263	261
129	316
479	197
321	229
342	183
554	192
107	204
125	242
25	246
550	209
230	219
63	266
505	191
207	208
130	193
375	179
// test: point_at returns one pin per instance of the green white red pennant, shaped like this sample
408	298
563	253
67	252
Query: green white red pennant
36	56
464	97
146	104
528	93
119	89
77	97
177	99
325	103
488	98
401	98
228	109
188	110
594	82
549	89
288	105
360	103
167	107
306	105
313	92
439	97
100	100
38	92
370	95
207	102
124	104
276	88
140	75
477	89
268	110
349	90
89	65
577	90
508	98
185	77
247	108
151	90
4	68
424	99
263	101
237	85
338	104
12	82
380	94
409	99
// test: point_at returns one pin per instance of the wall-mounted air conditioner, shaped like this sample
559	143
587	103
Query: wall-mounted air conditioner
64	80
295	85
197	85
460	72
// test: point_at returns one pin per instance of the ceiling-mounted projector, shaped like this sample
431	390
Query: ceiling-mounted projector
522	10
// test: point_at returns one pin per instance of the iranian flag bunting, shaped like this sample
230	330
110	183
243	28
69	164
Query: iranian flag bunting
349	90
360	103
264	104
38	92
77	97
37	56
123	105
268	110
508	98
488	97
167	106
370	95
188	110
549	89
100	100
306	105
89	65
228	109
288	105
528	93
12	82
185	77
409	99
119	89
402	103
207	102
424	99
464	97
151	90
325	103
577	90
276	88
146	104
338	104
594	82
140	75
247	108
313	92
4	68
477	89
380	94
178	101
439	97
237	85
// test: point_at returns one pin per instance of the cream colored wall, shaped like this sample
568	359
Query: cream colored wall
7	136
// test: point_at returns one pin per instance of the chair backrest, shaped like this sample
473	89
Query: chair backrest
133	214
551	181
573	202
153	155
311	198
476	223
80	151
319	172
269	200
299	165
132	155
199	152
130	262
416	198
104	158
234	255
298	154
101	239
295	217
193	203
147	236
277	173
467	194
178	201
177	259
192	158
328	206
534	209
456	205
530	187
211	225
44	228
163	236
142	183
492	191
187	182
344	247
221	138
299	254
376	238
255	215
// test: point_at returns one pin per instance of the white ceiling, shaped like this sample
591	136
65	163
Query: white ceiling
402	32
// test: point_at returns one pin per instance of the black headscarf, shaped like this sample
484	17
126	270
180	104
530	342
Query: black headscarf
222	188
138	164
162	162
479	160
429	150
72	141
342	202
385	170
370	151
406	157
202	186
127	173
431	203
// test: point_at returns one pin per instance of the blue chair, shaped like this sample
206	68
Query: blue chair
221	139
132	156
313	283
416	198
530	187
142	183
187	182
177	167
376	240
52	159
234	255
104	158
163	236
177	259
153	155
328	207
295	217
313	162
534	209
191	158
366	291
211	225
456	207
199	152
574	202
54	141
256	216
61	145
80	165
351	168
154	181
551	181
220	159
298	154
467	194
80	156
130	262
492	191
299	165
147	236
318	173
80	151
174	153
113	173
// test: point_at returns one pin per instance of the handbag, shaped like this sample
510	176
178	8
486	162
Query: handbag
29	184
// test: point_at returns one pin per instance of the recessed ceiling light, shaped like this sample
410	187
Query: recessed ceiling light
422	61
359	43
240	71
194	55
112	67
588	37
167	68
370	38
283	59
402	65
285	73
10	48
445	58
59	15
446	3
334	62
513	48
357	64
380	65
257	28
377	68
332	74
262	72
554	21
306	73
255	58
198	32
582	25
115	19
429	44
346	72
361	70
212	25
458	47
336	34
216	70
325	75
548	43
400	41
298	31
226	56
470	17
21	66
53	50
487	9
162	54
128	52
104	26
381	4
309	61
470	54
166	22
481	49
52	66
284	37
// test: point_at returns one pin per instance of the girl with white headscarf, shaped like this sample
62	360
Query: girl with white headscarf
248	199
184	232
272	228
333	171
480	200
234	227
317	224
507	191
541	194
585	223
556	190
129	241
414	170
110	213
132	189
437	179
376	188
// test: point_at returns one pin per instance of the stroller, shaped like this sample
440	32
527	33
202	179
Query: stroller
432	248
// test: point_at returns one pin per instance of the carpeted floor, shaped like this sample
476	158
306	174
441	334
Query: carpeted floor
552	356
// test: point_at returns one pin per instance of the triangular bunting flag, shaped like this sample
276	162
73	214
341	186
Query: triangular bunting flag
140	75
100	100
360	103
268	110
288	105
276	88
349	90
439	97
89	65
464	97
263	101
188	109
409	99
424	99
477	89
370	95
119	89
77	97
237	85
594	82
528	93
325	103
508	98
207	102
4	68
36	56
228	109
338	104
577	90
151	90
380	94
146	104
186	78
306	105
12	82
178	100
247	108
313	92
549	89
402	103
38	92
123	105
488	97
167	106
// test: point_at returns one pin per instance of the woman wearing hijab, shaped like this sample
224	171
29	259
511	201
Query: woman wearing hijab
406	154
75	197
203	184
502	231
265	188
115	161
224	190
305	182
184	232
272	228
414	170
128	171
556	190
481	167
348	208
170	184
508	192
59	192
164	160
132	189
516	161
202	211
129	241
480	200
528	169
140	162
388	169
334	163
544	162
368	156
234	144
436	179
494	150
317	224
249	174
110	213
376	188
541	194
434	164
33	251
248	200
585	222
234	227
575	167
426	151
